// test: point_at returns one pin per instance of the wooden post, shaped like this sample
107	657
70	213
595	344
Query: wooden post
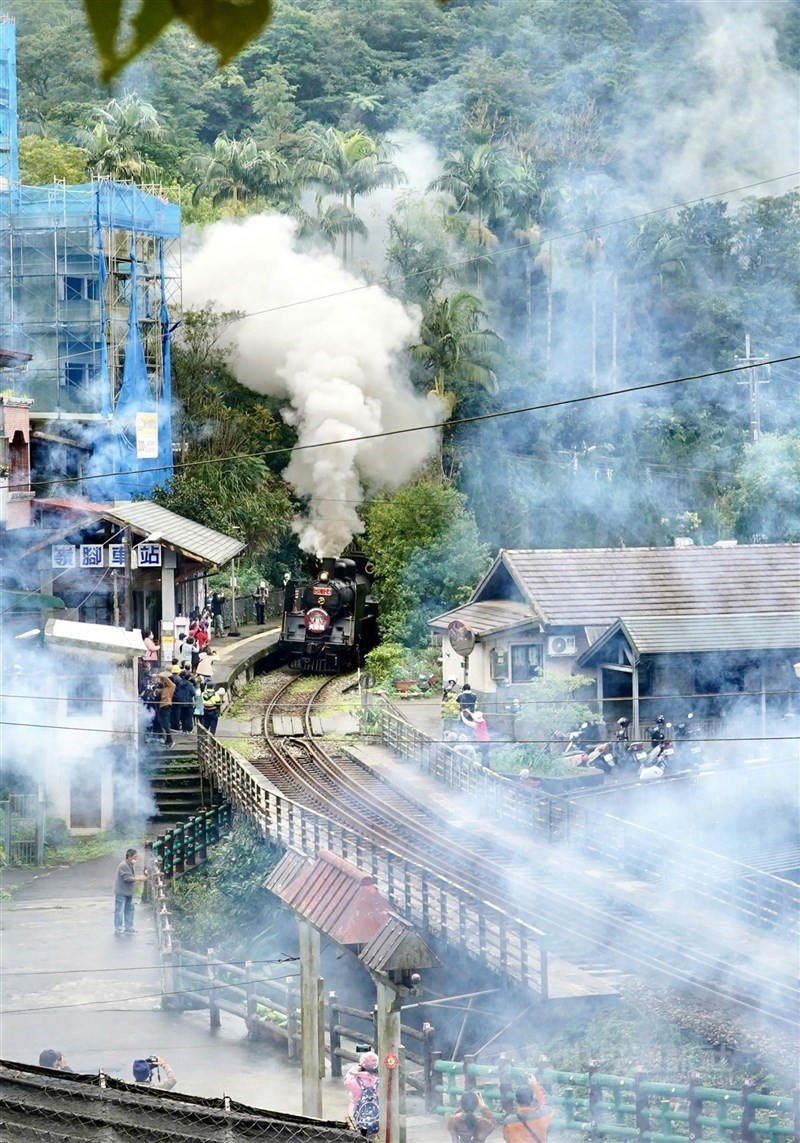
748	1111
428	1075
333	1036
252	1009
214	1020
312	1059
388	1027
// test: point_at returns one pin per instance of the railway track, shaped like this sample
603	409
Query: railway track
583	926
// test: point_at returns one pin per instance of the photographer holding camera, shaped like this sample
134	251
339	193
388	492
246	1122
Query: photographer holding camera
147	1073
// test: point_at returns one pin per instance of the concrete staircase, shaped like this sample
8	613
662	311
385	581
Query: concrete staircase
174	780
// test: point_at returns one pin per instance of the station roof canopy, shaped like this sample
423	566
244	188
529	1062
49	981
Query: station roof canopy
146	519
344	904
194	539
664	635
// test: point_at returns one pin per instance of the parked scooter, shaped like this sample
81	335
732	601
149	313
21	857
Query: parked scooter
577	741
689	750
602	757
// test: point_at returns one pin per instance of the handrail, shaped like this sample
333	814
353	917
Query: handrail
508	945
755	897
596	1105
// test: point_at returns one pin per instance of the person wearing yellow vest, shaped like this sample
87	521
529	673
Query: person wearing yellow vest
212	705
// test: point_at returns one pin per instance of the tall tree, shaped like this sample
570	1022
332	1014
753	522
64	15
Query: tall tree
240	171
116	138
346	164
456	350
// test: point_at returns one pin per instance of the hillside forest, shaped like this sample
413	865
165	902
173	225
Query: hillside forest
587	209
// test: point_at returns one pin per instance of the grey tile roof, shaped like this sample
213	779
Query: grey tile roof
663	635
487	617
597	585
193	539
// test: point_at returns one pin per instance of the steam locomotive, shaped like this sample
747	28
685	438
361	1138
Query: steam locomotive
330	623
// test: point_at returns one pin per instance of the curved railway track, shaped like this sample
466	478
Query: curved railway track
529	884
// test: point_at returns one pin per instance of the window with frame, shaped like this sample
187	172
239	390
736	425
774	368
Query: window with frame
84	696
80	289
526	661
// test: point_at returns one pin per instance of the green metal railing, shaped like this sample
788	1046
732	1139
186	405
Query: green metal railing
185	845
595	1105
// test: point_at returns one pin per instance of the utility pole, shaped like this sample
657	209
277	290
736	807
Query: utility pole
757	376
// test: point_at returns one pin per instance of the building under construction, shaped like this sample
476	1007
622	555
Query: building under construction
88	277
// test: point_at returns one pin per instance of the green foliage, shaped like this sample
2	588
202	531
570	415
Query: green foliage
43	159
219	420
764	502
424	545
224	905
549	705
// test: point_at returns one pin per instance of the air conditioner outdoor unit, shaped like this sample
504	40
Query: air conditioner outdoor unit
561	645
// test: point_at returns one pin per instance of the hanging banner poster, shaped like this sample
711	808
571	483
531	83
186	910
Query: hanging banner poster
146	436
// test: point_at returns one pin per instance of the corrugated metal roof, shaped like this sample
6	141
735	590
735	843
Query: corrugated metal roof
597	585
333	895
487	617
665	635
345	904
193	539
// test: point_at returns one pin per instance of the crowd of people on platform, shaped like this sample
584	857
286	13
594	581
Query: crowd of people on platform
183	694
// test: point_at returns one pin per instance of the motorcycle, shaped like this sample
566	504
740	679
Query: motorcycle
689	749
602	757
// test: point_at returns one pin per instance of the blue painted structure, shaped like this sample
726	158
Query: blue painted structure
87	274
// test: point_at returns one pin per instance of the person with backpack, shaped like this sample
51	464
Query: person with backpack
361	1081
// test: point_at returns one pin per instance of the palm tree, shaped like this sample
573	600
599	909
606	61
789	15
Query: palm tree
116	137
346	164
456	350
241	171
330	222
479	182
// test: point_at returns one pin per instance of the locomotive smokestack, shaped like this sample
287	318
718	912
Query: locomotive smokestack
328	565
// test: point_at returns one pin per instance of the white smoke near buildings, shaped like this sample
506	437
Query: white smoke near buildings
335	361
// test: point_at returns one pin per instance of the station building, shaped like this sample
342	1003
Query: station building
89	275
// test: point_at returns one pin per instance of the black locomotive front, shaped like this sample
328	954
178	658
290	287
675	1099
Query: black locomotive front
329	624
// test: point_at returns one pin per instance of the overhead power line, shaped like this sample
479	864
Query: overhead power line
434	425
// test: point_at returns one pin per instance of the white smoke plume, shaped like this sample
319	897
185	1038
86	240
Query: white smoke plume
731	116
336	361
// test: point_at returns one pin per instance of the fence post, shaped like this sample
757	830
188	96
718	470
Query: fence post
214	1020
797	1112
469	1077
41	824
594	1098
544	983
435	1057
334	1038
748	1111
428	1054
252	1011
6	807
291	1018
695	1106
640	1100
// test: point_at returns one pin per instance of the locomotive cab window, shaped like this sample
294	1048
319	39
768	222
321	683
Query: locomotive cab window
526	662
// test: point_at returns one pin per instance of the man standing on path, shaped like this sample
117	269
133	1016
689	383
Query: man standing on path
217	604
124	884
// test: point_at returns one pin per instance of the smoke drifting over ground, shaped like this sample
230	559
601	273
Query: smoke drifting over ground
335	361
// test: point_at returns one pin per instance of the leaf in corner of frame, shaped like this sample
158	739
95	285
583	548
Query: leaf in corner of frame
228	25
105	19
